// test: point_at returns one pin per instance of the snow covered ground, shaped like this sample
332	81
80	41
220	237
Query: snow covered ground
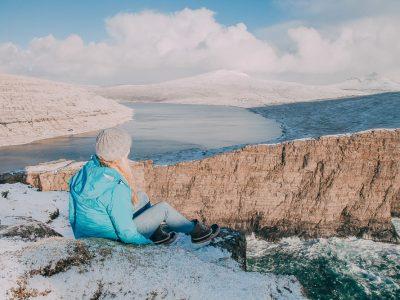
33	109
61	267
226	87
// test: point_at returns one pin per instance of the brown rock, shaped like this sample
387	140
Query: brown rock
330	186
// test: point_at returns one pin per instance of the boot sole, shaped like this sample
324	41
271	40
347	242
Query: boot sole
172	236
215	229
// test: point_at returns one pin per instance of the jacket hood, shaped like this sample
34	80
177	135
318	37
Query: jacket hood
93	179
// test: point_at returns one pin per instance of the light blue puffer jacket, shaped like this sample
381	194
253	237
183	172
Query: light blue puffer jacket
100	205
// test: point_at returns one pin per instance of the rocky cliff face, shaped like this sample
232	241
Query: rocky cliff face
331	186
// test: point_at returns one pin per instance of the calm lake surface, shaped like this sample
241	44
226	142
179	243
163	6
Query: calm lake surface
165	133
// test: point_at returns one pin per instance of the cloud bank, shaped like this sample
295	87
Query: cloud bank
151	46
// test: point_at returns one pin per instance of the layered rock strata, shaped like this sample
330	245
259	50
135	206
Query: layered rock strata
330	186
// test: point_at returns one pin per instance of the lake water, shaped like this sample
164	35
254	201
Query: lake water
313	119
165	133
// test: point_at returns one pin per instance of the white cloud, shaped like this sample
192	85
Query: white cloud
363	46
152	46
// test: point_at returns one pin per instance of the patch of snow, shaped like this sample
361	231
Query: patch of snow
33	109
20	200
53	166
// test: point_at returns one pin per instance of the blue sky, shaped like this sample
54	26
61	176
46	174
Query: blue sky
116	42
22	20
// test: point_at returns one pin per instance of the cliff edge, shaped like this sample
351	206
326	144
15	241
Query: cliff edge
345	185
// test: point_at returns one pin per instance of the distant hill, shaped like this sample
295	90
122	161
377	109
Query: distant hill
226	87
371	83
33	109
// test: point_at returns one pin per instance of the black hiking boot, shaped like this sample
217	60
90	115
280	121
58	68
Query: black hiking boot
202	233
160	236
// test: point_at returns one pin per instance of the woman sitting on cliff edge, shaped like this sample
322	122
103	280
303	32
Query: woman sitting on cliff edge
104	202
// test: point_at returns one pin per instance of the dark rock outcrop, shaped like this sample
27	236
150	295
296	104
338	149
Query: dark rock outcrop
234	242
27	229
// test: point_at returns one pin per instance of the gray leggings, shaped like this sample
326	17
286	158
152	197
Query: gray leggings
149	220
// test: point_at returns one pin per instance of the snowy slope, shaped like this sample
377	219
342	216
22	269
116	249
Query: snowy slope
61	267
33	109
233	88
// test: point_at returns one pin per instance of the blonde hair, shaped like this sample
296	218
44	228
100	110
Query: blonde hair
122	166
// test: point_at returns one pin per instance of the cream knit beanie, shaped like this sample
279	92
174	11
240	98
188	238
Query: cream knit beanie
113	144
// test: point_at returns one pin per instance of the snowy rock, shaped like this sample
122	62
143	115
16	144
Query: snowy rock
23	207
33	109
57	268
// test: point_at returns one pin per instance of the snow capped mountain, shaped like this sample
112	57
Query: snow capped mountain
225	87
221	87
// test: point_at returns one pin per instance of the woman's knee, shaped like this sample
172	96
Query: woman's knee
143	198
163	204
165	207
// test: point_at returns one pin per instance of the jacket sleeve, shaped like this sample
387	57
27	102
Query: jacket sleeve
121	212
71	207
71	211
